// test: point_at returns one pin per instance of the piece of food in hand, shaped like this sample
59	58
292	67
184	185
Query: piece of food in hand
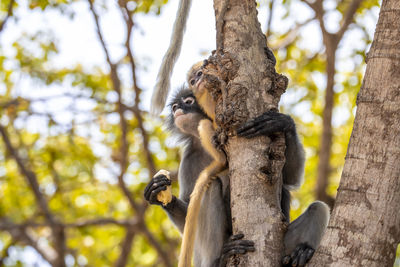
165	196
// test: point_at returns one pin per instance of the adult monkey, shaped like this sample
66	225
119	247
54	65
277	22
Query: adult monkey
213	244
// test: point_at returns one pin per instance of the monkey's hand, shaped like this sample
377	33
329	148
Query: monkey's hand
266	125
299	257
234	246
158	191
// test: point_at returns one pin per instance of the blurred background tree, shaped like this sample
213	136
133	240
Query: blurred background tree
77	145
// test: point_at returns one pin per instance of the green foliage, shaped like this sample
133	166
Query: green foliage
74	152
306	70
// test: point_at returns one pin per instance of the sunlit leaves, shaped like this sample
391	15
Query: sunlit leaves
64	123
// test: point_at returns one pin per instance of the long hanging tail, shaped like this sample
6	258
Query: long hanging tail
161	90
189	232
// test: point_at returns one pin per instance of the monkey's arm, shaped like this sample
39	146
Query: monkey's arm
176	209
273	122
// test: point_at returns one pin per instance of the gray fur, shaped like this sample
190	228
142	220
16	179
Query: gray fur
214	225
308	228
162	87
293	169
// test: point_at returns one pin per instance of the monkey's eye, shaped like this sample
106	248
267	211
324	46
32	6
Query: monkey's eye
188	100
199	73
174	107
192	82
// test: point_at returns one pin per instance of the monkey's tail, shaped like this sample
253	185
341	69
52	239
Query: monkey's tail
161	90
189	231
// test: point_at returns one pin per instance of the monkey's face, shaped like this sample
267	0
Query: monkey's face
186	113
195	79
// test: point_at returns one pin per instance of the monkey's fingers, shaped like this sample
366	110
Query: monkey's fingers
155	185
245	244
252	123
253	131
299	257
241	247
154	193
236	237
150	187
305	256
286	260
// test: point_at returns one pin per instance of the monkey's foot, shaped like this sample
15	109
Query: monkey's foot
299	257
235	246
266	124
158	184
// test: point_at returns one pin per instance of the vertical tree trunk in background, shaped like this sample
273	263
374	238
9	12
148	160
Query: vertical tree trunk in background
324	153
252	87
365	226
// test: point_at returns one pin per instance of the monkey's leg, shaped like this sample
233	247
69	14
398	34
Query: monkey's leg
234	246
206	132
304	234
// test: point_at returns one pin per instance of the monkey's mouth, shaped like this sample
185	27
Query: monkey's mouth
178	112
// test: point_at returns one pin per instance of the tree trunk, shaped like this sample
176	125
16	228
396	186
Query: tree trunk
365	226
324	153
251	87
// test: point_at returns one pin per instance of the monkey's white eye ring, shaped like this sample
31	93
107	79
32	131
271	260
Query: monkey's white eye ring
189	100
174	107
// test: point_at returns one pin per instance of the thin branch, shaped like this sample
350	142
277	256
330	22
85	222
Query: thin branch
4	253
318	9
29	175
138	114
126	247
156	245
20	235
7	225
124	146
269	22
9	14
348	18
291	35
57	229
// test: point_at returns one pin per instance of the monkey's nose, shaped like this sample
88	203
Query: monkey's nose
178	112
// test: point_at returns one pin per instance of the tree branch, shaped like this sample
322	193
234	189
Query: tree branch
57	229
156	245
124	146
9	14
30	177
126	247
269	21
348	18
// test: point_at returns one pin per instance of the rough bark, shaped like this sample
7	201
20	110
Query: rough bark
250	86
365	226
